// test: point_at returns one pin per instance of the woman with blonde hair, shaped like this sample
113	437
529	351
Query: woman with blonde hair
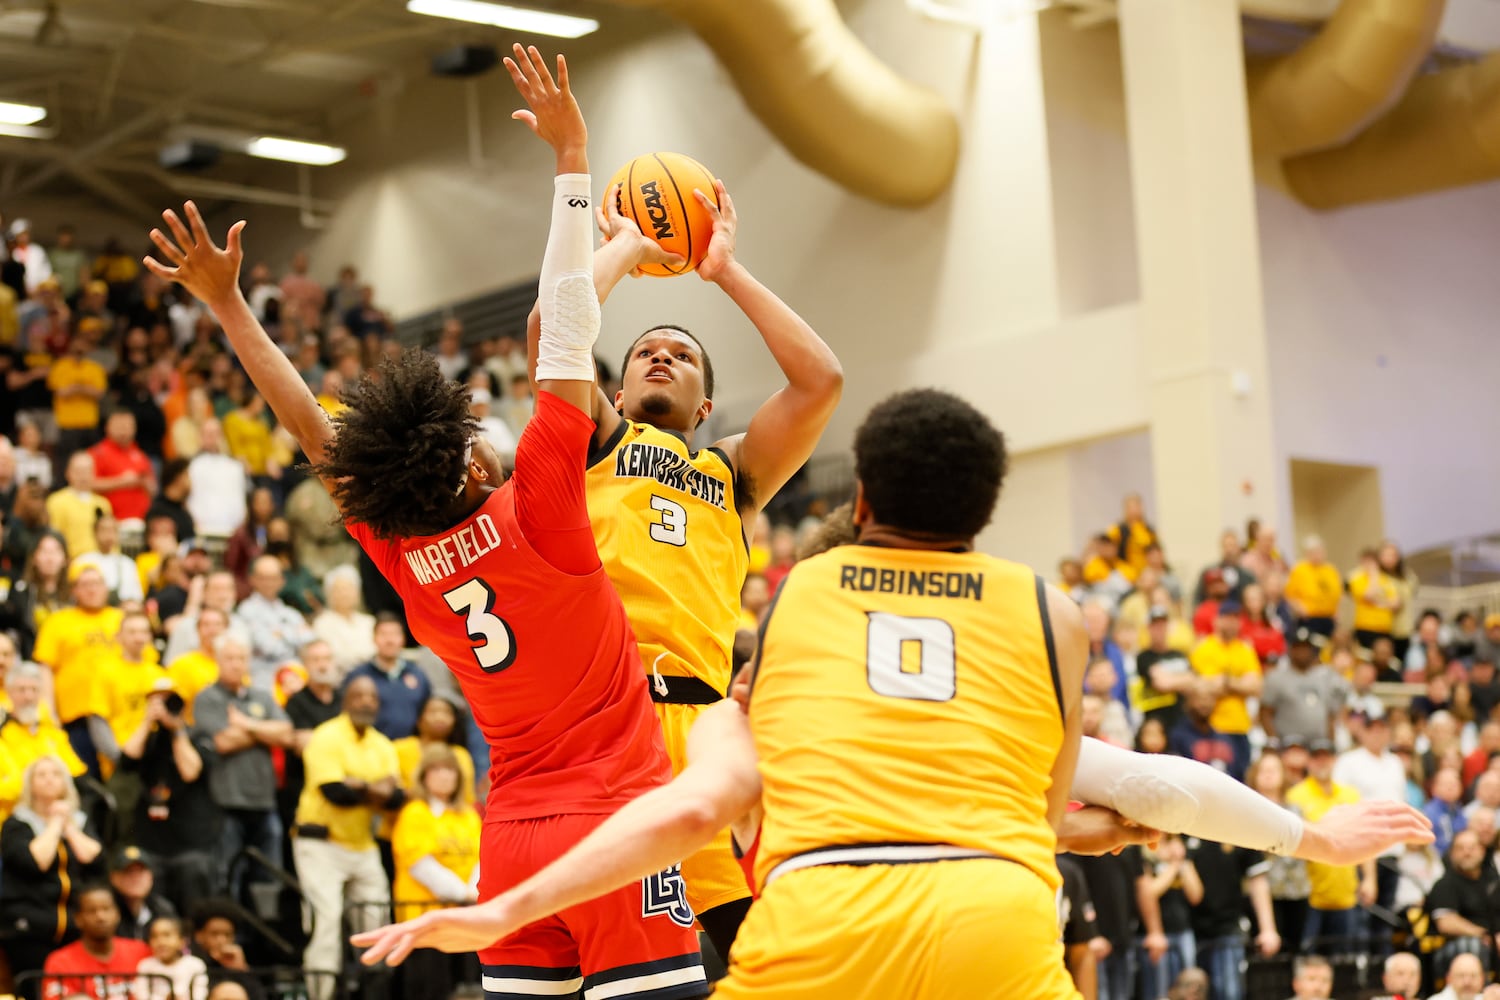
45	851
436	849
349	631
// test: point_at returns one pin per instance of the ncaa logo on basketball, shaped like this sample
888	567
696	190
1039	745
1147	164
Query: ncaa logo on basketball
664	894
656	211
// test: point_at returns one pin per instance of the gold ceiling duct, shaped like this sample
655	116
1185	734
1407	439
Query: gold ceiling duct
1356	67
833	105
1444	133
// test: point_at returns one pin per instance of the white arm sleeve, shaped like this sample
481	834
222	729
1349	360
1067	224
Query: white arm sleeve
439	881
1178	795
569	304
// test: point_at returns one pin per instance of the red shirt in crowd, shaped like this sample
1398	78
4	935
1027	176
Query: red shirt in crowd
101	979
775	573
1203	618
515	601
1267	639
111	460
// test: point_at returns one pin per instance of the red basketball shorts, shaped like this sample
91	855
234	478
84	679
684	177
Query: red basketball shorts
637	941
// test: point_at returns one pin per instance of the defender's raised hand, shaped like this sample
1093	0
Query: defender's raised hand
211	274
616	228
554	114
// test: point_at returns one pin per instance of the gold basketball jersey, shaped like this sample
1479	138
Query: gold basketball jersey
907	697
670	537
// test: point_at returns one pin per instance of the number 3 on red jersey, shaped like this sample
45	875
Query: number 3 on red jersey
497	643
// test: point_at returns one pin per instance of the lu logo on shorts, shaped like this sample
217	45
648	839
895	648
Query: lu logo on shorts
664	894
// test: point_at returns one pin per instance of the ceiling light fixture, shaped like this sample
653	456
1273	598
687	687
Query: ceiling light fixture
536	22
20	114
315	154
28	131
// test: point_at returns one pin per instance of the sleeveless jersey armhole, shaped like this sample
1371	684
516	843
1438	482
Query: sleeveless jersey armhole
1041	606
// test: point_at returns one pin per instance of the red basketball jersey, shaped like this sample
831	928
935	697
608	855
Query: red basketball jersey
546	659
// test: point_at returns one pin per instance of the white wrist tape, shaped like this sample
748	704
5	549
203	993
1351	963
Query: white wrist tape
569	303
1177	795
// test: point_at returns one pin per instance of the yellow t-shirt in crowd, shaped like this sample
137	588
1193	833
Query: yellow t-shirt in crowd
1141	536
123	687
10	324
451	838
192	674
1334	887
1213	657
249	440
76	412
331	405
72	515
146	564
335	753
1317	589
24	746
10	781
76	644
1369	617
760	558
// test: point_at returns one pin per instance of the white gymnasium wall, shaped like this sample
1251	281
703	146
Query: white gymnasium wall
1381	325
1016	288
1378	318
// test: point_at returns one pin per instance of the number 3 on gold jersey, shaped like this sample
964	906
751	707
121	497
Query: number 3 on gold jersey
475	600
936	678
672	528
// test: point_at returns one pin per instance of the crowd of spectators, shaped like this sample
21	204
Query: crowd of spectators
1316	686
203	683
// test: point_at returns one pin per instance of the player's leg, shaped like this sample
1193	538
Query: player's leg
637	942
716	888
541	959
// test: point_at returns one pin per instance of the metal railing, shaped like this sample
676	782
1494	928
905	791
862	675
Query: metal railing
1481	598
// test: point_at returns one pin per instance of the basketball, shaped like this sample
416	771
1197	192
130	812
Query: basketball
656	193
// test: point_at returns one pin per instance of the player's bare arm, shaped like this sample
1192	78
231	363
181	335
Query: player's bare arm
651	833
1072	644
212	275
622	251
785	430
554	116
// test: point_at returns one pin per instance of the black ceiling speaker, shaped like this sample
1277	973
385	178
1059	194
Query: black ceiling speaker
465	60
188	155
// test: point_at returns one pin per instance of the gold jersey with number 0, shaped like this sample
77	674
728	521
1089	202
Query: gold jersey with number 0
670	537
907	697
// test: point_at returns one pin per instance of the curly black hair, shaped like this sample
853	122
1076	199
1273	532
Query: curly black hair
930	464
398	450
708	365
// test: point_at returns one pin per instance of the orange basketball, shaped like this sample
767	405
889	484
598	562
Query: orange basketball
656	193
